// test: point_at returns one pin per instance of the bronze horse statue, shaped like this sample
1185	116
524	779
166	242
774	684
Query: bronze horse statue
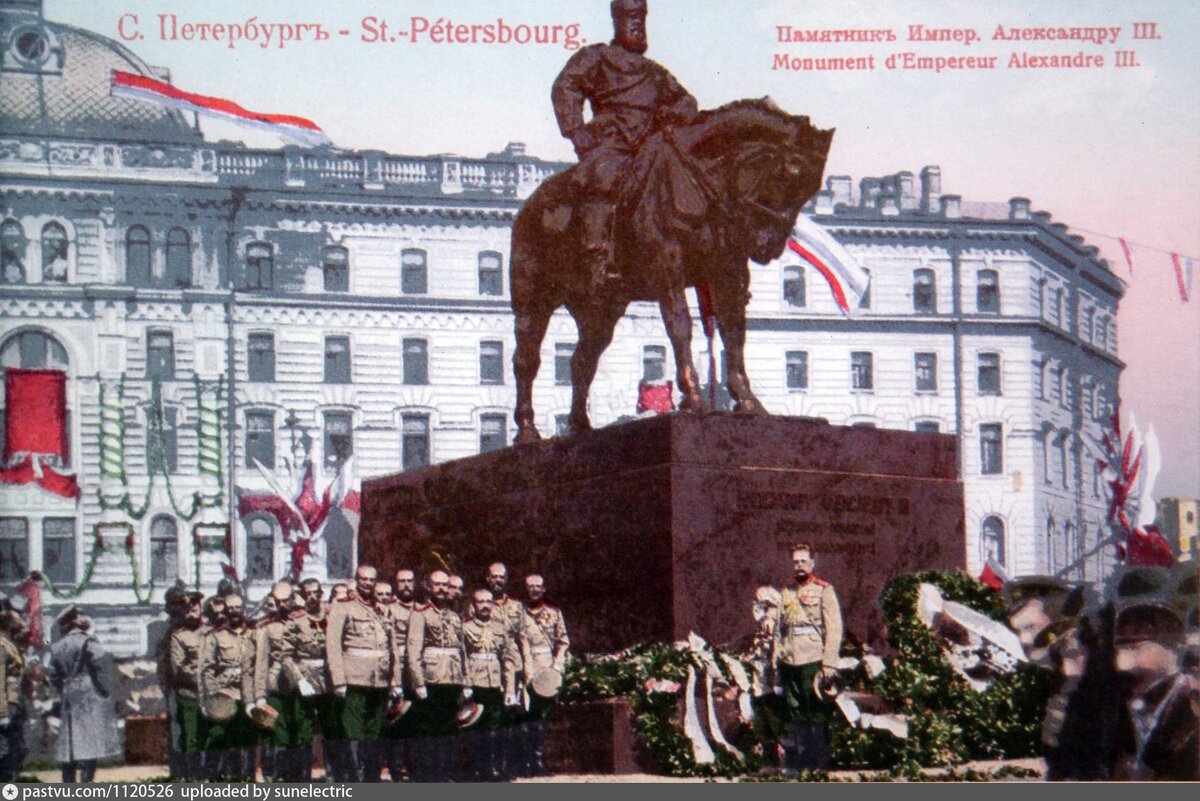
698	202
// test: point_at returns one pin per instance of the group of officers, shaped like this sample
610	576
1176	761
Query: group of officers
441	689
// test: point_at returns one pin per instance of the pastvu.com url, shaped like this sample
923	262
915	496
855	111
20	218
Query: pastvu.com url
182	792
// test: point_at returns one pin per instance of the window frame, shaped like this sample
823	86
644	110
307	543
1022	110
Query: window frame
178	275
859	359
253	418
421	419
413	275
564	352
486	437
993	386
158	574
795	286
486	275
654	359
987	291
991	449
331	268
260	369
257	255
70	538
64	246
336	372
931	368
19	571
795	379
491	365
160	369
136	272
416	372
329	451
922	288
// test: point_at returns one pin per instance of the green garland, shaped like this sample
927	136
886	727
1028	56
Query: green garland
98	548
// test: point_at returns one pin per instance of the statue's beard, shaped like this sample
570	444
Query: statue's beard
634	44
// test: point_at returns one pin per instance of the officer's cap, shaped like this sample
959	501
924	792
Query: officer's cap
1142	583
1055	632
67	616
1020	591
1149	621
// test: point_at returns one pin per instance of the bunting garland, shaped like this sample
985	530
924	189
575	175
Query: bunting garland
1183	275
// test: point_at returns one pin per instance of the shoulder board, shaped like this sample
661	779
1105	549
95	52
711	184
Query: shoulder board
425	607
820	582
346	600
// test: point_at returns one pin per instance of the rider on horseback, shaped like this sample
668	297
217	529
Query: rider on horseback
631	97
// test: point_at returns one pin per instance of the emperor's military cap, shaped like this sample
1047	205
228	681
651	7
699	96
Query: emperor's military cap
1050	635
1149	621
1020	591
1138	584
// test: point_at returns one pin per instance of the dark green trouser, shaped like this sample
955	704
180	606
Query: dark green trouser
438	709
237	732
294	726
492	701
191	725
363	709
802	703
770	714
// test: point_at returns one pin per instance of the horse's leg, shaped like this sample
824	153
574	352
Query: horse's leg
531	330
679	330
596	327
729	304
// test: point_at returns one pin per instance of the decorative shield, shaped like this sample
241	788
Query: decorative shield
546	683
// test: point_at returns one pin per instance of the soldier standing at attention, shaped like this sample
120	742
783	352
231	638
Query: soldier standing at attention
491	681
435	666
13	713
181	675
546	647
305	669
458	602
358	648
810	637
273	647
399	731
518	731
227	678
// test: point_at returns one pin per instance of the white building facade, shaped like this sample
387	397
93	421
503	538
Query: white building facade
214	308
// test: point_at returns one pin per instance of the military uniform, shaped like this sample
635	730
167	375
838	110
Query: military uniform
273	652
360	652
491	673
435	663
545	645
227	668
182	671
809	638
304	666
12	710
400	615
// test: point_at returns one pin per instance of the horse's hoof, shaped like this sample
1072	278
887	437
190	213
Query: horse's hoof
527	436
579	427
751	406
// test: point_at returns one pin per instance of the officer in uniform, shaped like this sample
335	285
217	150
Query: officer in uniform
181	674
305	668
13	634
631	96
273	650
227	670
435	666
399	731
491	681
518	729
810	637
458	600
358	648
546	645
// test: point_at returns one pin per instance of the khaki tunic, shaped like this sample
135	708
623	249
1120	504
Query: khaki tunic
305	659
227	663
546	634
400	615
12	671
358	646
810	625
491	655
183	662
272	650
435	646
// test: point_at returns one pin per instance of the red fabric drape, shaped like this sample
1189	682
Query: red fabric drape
656	397
36	418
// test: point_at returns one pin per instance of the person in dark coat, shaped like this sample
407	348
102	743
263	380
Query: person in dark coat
88	732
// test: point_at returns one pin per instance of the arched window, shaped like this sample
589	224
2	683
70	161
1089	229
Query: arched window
54	253
491	274
414	276
260	266
987	291
12	253
1051	545
991	540
260	548
924	292
164	549
179	259
137	256
33	350
1072	546
335	265
794	293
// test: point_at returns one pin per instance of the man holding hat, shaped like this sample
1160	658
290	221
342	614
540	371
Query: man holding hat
491	682
227	690
401	726
545	644
276	698
304	666
435	666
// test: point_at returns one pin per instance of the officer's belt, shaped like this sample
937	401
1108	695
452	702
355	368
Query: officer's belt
540	649
803	630
366	652
315	662
484	657
440	651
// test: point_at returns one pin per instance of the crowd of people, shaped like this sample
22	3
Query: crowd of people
449	686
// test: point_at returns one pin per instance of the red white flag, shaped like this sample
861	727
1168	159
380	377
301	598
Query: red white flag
1128	257
847	280
1183	275
140	87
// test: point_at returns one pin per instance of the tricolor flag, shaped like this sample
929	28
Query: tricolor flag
847	280
140	87
1183	275
1128	255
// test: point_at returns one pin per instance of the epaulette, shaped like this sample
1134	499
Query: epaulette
820	582
347	599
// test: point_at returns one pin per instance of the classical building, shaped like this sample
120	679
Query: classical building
176	313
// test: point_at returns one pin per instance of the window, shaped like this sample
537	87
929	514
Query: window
137	256
863	424
12	253
260	266
337	360
260	358
654	363
1060	307
260	439
927	427
179	259
160	355
260	549
1067	388
991	540
58	549
1102	333
924	292
1089	325
162	440
989	374
33	350
793	286
335	262
925	368
563	351
491	362
562	425
1039	379
491	274
14	548
797	369
1064	479
54	253
416	361
1058	388
866	298
1088	400
339	438
414	441
862	372
164	549
987	291
991	458
413	275
492	434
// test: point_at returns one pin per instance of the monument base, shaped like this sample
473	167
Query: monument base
651	529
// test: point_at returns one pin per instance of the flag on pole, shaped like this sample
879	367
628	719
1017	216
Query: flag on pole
1128	257
140	87
847	280
993	575
1183	275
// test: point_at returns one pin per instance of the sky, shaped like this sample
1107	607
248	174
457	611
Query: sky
1112	152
